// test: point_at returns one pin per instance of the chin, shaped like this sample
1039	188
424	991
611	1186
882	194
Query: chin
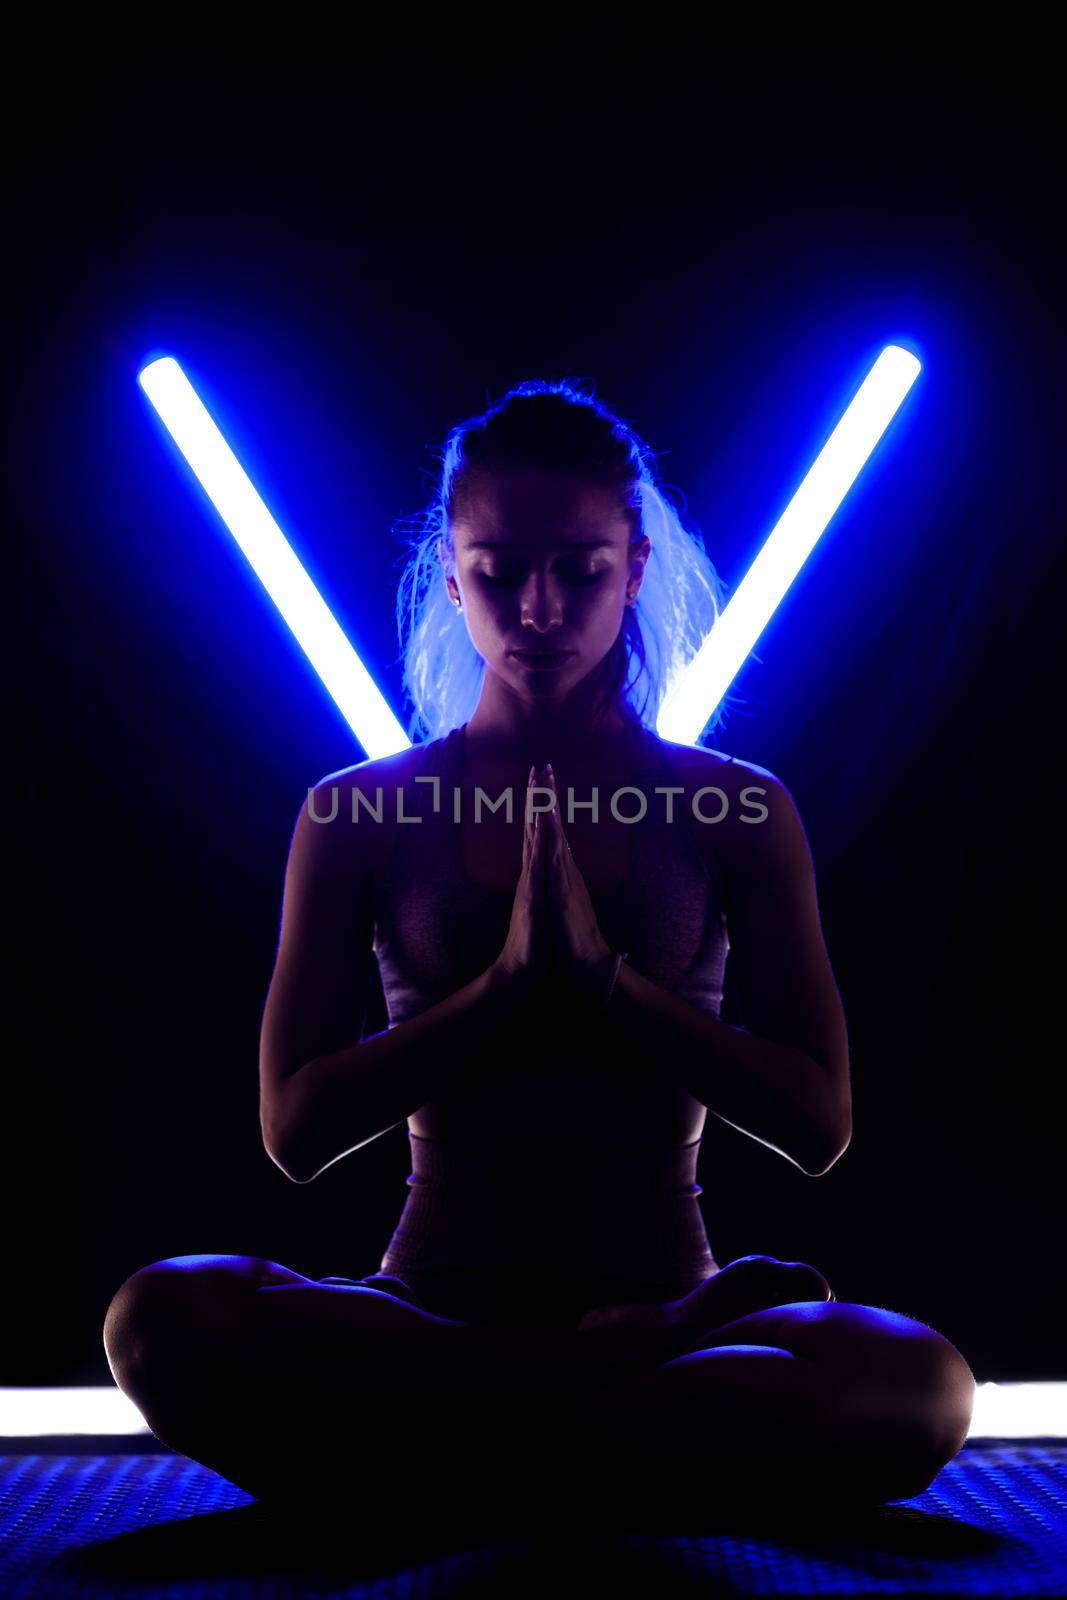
549	682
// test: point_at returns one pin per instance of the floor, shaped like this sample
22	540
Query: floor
80	1518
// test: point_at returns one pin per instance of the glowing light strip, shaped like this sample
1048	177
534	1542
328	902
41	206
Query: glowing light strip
1001	1411
26	1413
273	559
1019	1411
692	702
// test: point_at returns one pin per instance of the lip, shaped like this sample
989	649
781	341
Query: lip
542	658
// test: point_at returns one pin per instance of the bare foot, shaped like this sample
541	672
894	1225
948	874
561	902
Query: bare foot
751	1283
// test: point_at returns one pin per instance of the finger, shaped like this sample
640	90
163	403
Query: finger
543	848
535	805
557	819
563	844
559	838
531	822
548	870
544	833
542	870
537	833
527	825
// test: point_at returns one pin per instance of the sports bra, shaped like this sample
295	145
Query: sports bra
557	1196
436	930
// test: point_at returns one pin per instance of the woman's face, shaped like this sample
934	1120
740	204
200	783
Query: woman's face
543	564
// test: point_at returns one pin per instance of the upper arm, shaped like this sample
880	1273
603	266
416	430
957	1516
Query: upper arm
318	991
781	973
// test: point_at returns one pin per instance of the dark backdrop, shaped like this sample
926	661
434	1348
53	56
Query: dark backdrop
345	280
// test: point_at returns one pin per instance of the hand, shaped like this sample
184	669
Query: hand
583	956
526	956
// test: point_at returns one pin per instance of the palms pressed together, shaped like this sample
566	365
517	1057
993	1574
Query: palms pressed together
559	895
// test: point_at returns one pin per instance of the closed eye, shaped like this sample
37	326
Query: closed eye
582	579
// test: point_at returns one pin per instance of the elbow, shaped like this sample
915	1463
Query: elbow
286	1159
829	1152
834	1134
293	1171
280	1145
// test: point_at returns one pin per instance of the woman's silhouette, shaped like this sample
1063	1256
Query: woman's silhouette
548	1311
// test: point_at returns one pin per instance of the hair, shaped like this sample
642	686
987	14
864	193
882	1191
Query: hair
556	427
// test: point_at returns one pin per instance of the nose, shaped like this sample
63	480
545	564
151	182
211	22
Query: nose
541	604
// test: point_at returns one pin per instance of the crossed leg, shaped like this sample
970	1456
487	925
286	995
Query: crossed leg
294	1388
824	1402
300	1390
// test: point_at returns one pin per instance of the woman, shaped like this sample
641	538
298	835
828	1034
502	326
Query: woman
549	1302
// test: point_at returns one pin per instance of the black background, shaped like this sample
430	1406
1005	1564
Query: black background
345	277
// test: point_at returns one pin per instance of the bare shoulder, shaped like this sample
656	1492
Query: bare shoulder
385	772
351	813
743	813
696	767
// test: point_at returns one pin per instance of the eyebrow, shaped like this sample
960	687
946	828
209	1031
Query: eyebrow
577	544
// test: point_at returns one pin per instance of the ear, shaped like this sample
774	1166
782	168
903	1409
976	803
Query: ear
639	555
450	583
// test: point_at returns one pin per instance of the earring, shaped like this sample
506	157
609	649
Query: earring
631	599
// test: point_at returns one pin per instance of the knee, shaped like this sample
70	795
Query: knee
946	1388
921	1393
168	1305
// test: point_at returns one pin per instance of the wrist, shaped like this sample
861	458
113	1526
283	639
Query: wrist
598	981
506	980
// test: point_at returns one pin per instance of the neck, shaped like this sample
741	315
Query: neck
508	732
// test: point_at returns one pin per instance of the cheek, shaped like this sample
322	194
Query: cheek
490	631
606	614
498	625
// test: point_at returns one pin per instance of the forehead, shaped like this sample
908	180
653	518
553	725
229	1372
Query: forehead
539	510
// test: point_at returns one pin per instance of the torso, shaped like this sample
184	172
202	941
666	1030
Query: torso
587	1085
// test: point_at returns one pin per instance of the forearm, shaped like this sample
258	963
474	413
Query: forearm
776	1093
340	1101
